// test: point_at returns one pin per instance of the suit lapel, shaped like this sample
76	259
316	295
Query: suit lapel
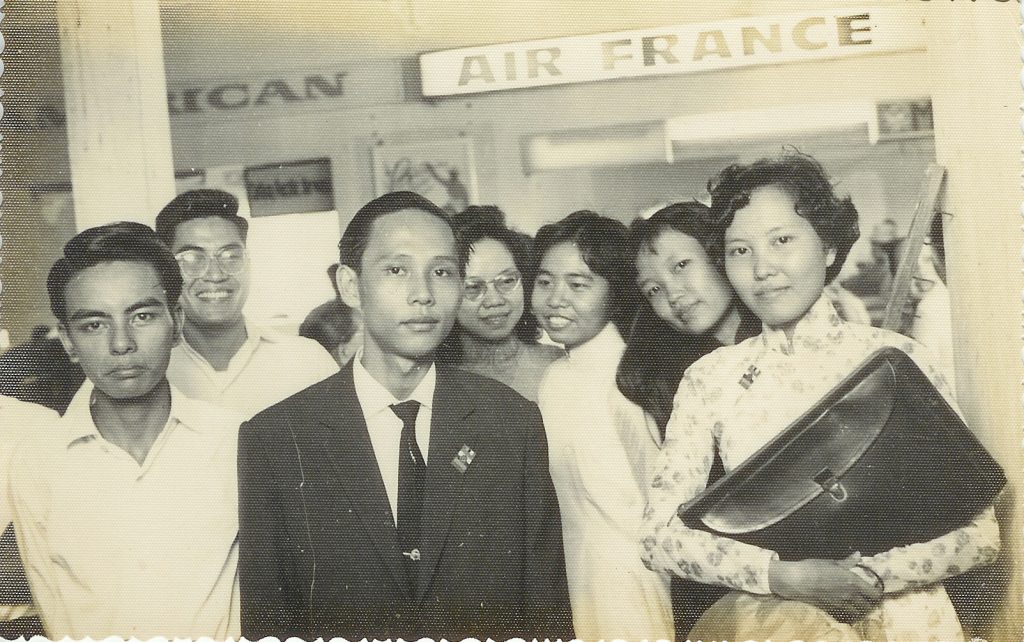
448	434
347	444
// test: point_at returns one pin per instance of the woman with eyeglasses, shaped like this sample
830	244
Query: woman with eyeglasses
600	444
496	333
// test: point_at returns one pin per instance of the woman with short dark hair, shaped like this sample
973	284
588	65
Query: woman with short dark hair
688	309
687	306
784	233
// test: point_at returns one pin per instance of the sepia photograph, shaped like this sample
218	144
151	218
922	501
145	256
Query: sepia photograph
511	320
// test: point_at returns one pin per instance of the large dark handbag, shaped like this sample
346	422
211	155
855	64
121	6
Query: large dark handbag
882	461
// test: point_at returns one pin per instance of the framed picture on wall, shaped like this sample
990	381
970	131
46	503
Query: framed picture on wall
443	171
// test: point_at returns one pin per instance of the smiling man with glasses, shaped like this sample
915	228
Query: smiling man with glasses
224	358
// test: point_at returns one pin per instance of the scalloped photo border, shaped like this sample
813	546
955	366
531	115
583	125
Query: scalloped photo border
5	250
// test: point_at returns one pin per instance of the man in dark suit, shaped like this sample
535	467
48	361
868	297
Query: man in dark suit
399	498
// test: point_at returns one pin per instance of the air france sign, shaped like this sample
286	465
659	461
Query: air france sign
682	49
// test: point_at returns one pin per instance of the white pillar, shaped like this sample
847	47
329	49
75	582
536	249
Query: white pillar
974	53
115	96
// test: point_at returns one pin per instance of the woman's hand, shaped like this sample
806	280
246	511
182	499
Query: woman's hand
830	585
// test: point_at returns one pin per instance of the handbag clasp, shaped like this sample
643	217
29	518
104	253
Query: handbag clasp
828	482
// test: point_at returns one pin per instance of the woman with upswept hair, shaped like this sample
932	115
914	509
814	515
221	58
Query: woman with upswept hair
783	234
600	445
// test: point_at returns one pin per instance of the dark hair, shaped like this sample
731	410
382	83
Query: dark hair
834	219
601	242
654	361
40	332
357	234
691	218
126	241
198	203
329	324
474	224
657	355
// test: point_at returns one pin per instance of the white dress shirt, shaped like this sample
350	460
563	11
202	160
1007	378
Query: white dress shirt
268	368
116	548
601	449
385	427
19	421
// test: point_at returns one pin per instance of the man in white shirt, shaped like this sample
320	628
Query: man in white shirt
223	358
19	421
126	511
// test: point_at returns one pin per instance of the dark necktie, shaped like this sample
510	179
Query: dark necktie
412	478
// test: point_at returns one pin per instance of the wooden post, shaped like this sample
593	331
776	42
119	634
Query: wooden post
115	96
974	51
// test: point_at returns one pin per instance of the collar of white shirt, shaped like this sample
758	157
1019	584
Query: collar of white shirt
384	426
606	346
254	334
77	423
375	398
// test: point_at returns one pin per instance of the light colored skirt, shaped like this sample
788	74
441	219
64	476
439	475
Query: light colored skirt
923	615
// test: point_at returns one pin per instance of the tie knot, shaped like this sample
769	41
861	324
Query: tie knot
407	411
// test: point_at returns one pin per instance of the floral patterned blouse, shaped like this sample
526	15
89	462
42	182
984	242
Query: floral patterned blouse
720	405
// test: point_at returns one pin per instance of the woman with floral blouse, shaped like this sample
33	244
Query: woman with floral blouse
784	237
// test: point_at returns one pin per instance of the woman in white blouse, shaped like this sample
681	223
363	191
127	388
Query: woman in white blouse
600	445
785	235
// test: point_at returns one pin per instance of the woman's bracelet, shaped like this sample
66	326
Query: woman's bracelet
879	584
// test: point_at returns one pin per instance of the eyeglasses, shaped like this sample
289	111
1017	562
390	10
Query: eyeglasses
195	263
504	283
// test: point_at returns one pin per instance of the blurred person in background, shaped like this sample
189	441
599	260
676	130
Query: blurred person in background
336	327
40	372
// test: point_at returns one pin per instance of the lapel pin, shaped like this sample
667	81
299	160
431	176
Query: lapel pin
464	458
748	377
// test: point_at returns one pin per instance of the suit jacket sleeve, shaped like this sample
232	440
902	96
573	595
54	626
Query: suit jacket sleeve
546	608
272	603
